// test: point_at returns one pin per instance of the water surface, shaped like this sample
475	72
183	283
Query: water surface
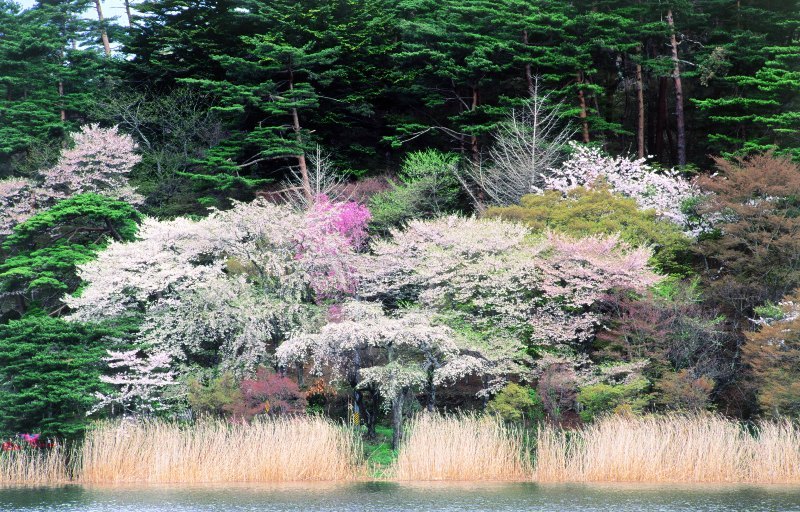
401	496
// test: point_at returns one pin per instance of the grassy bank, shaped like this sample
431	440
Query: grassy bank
677	448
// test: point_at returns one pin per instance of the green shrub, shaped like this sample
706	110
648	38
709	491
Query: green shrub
427	187
612	398
591	212
516	403
215	395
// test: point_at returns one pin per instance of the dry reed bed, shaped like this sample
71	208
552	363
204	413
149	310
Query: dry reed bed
281	450
674	448
464	447
29	466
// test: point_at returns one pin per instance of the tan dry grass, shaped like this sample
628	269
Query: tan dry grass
279	450
466	447
671	448
29	466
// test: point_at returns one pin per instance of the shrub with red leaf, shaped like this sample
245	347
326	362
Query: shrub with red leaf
268	393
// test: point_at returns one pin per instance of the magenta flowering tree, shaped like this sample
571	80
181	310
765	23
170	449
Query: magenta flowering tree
331	233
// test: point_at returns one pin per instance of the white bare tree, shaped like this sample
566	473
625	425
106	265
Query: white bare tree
324	180
531	141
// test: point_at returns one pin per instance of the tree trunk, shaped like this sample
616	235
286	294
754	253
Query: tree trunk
474	138
431	405
661	119
640	151
61	95
128	12
301	157
676	75
583	113
397	419
528	67
103	34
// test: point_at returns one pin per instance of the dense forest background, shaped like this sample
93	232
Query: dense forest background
221	100
216	90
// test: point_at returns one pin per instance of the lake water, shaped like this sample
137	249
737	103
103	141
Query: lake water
402	496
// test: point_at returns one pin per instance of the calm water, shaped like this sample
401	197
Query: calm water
396	496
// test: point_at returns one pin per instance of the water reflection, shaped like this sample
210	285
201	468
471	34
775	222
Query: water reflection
394	496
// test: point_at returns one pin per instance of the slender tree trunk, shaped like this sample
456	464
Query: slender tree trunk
640	151
21	306
103	34
676	75
301	157
431	405
474	138
528	67
583	113
397	419
61	95
661	120
128	12
739	14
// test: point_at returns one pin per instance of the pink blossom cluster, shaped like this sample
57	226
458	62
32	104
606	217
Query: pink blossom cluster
99	161
348	218
664	191
18	198
139	379
503	275
330	234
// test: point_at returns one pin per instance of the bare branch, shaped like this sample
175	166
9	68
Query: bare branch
531	141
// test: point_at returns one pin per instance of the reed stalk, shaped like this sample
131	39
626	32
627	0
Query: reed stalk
464	447
275	450
688	448
33	466
698	448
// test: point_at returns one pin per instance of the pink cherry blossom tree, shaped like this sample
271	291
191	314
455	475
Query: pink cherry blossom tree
407	351
18	198
139	381
99	161
236	282
499	274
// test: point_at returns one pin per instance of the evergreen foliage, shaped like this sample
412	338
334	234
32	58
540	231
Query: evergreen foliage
49	374
42	254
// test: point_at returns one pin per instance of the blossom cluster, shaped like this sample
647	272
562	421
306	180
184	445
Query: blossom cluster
17	202
238	280
99	161
664	191
500	273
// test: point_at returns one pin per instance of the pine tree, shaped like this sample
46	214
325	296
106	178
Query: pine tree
42	253
49	374
49	68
